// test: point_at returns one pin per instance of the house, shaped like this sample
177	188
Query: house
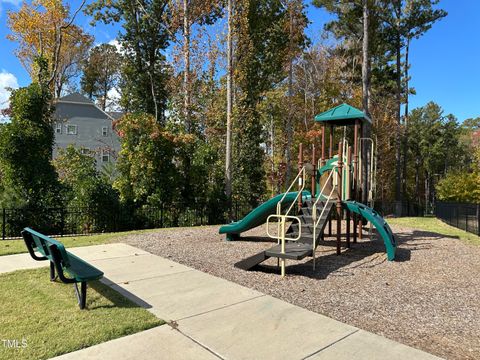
81	123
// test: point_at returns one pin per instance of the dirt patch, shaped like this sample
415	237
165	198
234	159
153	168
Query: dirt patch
429	298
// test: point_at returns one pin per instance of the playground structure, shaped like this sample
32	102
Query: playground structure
301	217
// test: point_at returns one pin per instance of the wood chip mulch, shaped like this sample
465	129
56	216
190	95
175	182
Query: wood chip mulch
429	298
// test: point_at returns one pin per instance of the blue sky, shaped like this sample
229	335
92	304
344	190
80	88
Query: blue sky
445	61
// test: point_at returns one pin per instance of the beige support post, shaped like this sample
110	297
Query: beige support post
355	177
283	261
330	152
339	200
360	182
300	179
314	171
348	184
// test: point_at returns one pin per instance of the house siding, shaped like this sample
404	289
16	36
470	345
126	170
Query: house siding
90	122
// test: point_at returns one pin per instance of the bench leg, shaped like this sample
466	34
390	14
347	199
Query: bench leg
82	294
53	277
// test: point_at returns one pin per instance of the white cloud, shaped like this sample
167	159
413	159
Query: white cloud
113	97
7	80
117	44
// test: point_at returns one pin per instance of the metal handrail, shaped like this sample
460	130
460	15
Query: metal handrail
284	218
300	192
281	234
301	177
316	220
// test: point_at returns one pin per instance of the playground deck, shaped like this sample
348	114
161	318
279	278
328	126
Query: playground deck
427	299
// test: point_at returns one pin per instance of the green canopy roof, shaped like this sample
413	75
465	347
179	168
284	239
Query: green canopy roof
342	115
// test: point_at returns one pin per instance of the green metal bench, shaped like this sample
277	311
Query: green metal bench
62	262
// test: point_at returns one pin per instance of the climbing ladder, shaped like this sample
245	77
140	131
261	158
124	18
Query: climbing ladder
301	238
302	231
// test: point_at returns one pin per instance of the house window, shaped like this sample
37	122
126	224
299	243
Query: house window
104	131
71	129
58	129
85	151
105	156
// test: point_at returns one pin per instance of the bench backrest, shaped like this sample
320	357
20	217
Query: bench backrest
43	244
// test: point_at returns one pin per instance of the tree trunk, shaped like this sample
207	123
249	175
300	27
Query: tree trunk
417	181
398	161
365	100
289	127
405	135
228	150
186	73
427	190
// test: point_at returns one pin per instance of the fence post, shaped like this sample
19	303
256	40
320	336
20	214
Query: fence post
466	219
62	221
457	212
4	218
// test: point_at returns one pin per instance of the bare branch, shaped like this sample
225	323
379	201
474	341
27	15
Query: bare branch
58	42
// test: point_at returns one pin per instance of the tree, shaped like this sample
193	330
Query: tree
86	188
405	20
26	150
366	95
144	38
146	171
45	28
296	24
228	145
472	124
262	49
184	15
435	148
459	186
101	71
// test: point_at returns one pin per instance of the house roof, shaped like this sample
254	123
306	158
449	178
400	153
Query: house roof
76	98
342	115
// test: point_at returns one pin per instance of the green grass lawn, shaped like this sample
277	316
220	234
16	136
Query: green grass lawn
434	225
10	247
46	316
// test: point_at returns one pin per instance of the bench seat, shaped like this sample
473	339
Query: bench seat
81	270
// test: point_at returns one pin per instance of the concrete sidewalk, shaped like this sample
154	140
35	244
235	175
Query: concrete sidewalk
211	318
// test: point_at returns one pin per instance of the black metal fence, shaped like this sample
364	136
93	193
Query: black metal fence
77	220
405	208
462	216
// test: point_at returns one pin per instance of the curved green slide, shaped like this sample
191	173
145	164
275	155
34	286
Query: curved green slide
379	222
330	163
259	215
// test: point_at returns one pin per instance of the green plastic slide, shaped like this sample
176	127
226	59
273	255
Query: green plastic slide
330	163
379	222
259	215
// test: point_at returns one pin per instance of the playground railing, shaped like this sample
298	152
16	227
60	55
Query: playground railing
300	178
281	233
316	221
281	227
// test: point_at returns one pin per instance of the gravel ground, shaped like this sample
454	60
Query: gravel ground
429	298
